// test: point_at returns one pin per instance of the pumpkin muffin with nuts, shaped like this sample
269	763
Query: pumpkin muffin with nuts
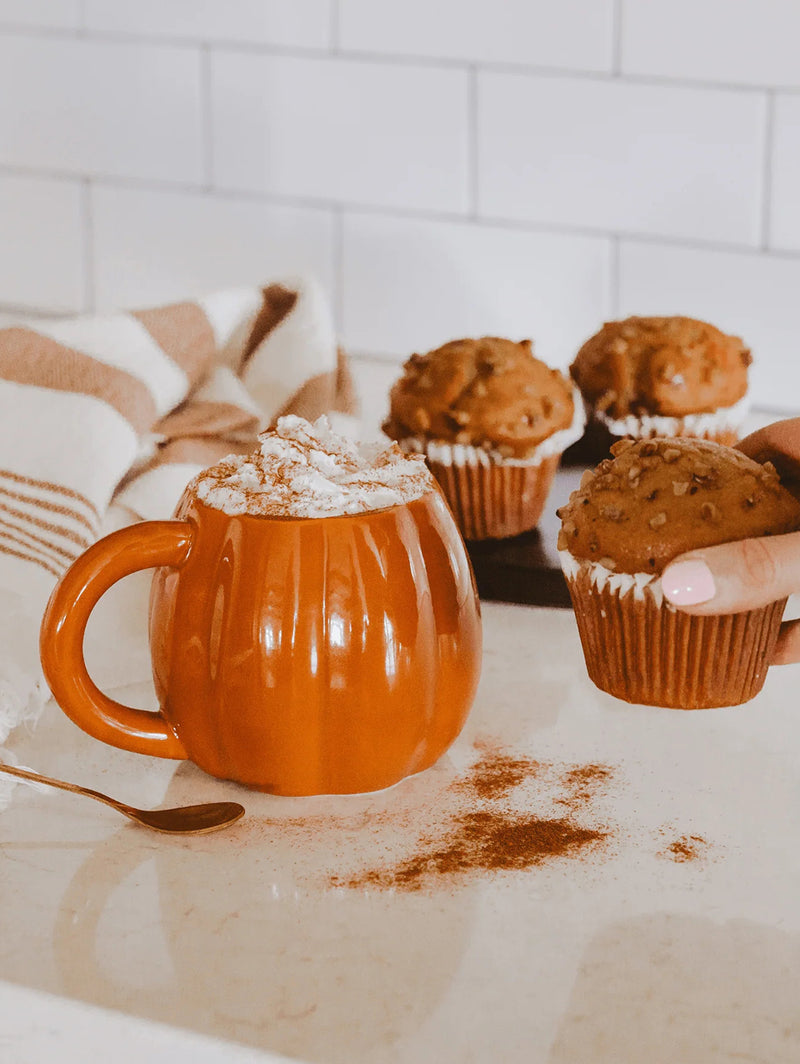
630	517
492	421
673	376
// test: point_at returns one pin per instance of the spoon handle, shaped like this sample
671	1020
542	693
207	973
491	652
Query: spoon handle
36	777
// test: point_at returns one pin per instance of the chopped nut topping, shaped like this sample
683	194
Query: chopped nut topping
586	479
568	528
710	512
770	470
701	470
504	450
657	521
461	417
607	563
480	389
612	513
621	446
680	487
634	472
670	455
464	437
562	542
648	449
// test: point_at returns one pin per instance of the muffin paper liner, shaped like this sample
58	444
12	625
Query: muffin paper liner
496	500
640	648
720	426
493	496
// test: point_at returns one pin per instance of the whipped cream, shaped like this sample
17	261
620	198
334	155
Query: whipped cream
308	470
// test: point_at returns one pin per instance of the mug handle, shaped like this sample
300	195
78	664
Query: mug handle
141	546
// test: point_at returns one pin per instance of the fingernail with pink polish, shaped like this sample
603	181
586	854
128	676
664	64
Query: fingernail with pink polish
688	583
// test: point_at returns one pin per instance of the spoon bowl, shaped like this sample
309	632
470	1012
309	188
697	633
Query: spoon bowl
182	820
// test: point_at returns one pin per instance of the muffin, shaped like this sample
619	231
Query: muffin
656	499
645	377
492	421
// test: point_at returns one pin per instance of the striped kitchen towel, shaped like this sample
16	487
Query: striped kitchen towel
127	408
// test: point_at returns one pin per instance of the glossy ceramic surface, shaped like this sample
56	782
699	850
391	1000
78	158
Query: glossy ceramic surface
296	656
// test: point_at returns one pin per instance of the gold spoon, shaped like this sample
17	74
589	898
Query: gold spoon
185	820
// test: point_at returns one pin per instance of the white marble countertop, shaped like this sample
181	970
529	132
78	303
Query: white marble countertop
668	930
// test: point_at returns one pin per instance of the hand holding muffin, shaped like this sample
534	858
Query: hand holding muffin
492	421
747	573
638	511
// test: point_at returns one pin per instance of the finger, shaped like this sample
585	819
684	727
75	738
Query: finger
787	649
736	576
778	443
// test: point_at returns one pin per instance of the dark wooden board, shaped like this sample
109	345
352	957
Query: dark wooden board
526	569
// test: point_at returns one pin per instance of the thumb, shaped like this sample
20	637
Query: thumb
734	577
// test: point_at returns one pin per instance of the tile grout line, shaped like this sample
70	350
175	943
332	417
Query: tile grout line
410	60
766	172
337	254
389	211
206	118
87	219
473	168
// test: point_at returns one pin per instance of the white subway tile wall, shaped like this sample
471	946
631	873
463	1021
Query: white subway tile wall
571	34
42	243
150	245
442	170
739	42
756	296
352	131
410	284
292	23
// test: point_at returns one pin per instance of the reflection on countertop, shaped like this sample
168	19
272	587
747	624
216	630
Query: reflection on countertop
576	880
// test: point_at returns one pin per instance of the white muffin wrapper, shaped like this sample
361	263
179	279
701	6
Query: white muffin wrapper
643	426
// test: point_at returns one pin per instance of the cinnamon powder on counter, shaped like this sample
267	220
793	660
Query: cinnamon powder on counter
685	848
485	834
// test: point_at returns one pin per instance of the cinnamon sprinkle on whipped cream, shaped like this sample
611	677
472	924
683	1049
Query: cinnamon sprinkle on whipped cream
305	469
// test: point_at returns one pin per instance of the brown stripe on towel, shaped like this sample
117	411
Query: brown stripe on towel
39	541
184	334
47	526
205	417
27	357
51	507
35	551
278	302
324	393
48	485
31	558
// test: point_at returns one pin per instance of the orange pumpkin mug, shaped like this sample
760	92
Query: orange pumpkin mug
296	655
